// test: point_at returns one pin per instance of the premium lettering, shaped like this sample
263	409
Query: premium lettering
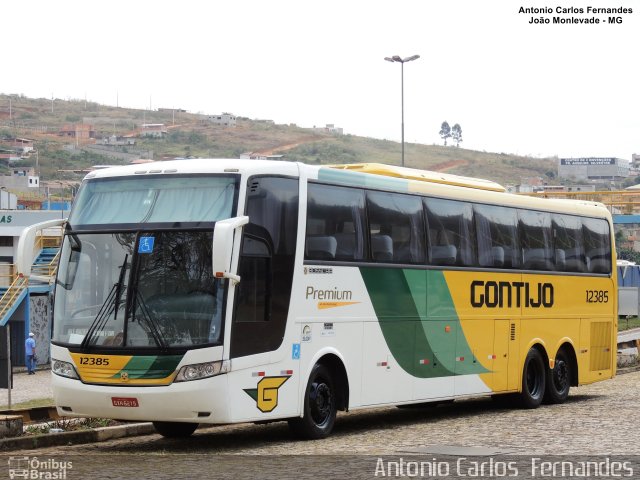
334	294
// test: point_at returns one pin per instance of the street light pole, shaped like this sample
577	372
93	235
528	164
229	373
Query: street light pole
402	61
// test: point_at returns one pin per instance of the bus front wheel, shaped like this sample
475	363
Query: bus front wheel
319	411
558	379
175	429
533	380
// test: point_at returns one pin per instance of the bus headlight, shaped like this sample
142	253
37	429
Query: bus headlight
64	369
201	370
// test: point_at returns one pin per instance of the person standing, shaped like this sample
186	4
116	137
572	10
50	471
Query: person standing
30	352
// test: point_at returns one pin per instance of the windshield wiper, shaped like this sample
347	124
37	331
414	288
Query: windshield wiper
110	306
148	318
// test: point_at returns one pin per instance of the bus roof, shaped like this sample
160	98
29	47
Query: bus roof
422	175
365	174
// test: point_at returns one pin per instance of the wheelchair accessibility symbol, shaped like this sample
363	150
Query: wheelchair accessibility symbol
146	245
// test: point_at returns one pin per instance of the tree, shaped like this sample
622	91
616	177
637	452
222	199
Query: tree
445	131
456	134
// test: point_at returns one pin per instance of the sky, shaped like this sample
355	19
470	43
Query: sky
569	90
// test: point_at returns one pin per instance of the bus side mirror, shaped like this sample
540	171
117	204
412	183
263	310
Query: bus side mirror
26	243
223	234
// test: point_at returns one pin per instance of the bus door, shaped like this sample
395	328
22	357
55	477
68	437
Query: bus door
506	369
264	380
266	267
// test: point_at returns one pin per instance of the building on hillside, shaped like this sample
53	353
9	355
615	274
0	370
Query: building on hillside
259	156
118	140
156	130
21	146
79	131
225	119
21	179
9	156
564	188
15	149
329	128
593	168
520	188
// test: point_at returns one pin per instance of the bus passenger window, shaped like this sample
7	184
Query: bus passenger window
396	228
567	231
536	240
597	245
335	223
497	234
451	232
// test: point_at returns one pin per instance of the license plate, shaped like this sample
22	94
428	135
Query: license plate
124	401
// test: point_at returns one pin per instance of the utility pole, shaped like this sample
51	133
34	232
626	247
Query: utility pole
402	61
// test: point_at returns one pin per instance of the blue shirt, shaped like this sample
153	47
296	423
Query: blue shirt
30	346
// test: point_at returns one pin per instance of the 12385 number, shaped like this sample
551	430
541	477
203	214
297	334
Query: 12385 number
597	296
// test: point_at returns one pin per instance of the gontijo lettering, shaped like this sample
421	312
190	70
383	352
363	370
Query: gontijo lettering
508	294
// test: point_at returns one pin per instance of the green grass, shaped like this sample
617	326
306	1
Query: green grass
40	402
628	323
69	425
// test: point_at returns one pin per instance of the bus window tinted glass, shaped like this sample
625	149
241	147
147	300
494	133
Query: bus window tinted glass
597	245
154	199
396	228
568	242
335	220
536	240
450	232
497	232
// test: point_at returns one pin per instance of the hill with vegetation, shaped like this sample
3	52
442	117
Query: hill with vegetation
193	135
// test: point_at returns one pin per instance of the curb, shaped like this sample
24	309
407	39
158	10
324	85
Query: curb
628	369
101	434
35	414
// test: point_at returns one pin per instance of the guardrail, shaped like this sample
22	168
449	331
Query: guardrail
12	294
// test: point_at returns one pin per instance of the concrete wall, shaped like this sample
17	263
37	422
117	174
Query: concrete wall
40	325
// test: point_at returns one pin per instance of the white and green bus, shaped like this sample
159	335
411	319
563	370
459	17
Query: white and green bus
222	291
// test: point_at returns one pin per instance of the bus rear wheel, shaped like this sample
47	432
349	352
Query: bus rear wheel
533	380
558	379
175	429
319	411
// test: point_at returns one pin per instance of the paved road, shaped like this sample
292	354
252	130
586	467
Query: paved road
598	419
28	387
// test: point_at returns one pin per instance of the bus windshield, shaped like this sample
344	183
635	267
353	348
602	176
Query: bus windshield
154	199
147	289
135	268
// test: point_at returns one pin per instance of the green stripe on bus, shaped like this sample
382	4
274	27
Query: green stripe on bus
424	339
150	366
358	179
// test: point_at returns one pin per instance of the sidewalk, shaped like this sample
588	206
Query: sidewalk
28	387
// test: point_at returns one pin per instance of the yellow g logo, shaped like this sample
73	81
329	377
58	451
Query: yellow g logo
266	395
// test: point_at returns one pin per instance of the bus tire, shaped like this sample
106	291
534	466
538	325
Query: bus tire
558	379
175	429
319	410
533	380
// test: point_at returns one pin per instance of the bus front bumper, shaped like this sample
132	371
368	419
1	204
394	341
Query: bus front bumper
197	401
